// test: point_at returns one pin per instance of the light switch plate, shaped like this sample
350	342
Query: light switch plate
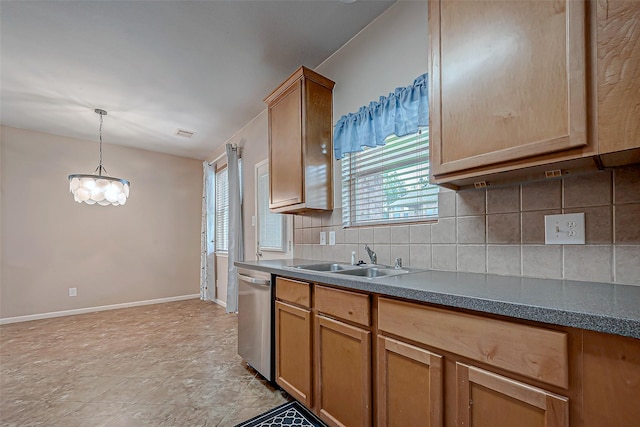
566	229
323	237
332	238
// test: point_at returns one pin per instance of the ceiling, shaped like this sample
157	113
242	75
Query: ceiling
160	66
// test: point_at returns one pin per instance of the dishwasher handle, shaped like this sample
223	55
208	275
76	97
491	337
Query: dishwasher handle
263	282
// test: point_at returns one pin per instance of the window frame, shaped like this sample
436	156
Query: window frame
426	193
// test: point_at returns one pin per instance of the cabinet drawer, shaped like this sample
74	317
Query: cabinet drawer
293	291
536	353
343	304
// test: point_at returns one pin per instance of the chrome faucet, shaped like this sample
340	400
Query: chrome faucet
372	254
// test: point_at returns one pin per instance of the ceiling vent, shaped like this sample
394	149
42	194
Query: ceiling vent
184	133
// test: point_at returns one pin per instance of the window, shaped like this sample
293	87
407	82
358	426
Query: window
222	210
389	184
271	226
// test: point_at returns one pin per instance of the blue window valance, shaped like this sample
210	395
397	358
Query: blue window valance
400	113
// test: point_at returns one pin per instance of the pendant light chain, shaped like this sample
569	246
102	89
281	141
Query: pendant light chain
100	166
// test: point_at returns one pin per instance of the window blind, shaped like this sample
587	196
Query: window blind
389	184
271	225
222	210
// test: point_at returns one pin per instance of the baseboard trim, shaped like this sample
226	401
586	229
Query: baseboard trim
220	302
94	309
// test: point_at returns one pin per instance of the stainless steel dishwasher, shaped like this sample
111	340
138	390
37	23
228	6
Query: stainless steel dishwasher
254	320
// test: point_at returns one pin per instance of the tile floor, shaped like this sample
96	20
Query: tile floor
172	364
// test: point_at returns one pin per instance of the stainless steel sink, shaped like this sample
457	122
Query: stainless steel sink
373	272
327	267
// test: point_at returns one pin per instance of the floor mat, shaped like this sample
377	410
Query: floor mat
290	414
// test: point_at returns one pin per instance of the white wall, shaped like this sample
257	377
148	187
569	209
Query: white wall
147	249
391	52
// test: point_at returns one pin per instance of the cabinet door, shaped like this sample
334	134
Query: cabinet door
409	385
611	380
285	148
507	81
618	50
343	379
485	399
293	351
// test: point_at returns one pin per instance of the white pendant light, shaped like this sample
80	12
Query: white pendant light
99	189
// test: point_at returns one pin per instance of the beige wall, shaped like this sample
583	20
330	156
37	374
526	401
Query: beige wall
147	249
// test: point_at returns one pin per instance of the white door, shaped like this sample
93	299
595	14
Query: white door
274	232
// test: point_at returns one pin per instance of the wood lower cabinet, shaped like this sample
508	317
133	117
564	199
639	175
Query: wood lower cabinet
410	388
293	351
498	343
482	398
485	399
443	367
293	339
343	373
611	380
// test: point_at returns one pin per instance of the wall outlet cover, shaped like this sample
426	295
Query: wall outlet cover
323	237
565	229
332	238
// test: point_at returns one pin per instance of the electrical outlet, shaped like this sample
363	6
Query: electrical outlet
332	238
566	229
323	237
73	292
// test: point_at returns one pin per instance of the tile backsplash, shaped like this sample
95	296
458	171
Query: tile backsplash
501	231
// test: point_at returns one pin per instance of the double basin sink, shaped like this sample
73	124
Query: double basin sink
368	271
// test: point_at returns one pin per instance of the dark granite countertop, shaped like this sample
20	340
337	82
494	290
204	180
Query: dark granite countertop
602	307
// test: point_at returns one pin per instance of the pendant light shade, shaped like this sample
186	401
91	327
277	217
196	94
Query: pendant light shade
99	189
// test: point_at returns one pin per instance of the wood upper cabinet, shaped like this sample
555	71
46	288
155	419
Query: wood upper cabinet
485	399
410	389
300	143
508	86
618	77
